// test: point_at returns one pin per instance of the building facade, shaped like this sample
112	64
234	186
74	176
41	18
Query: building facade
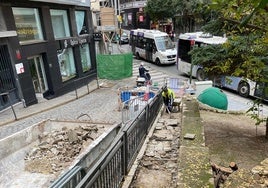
46	48
133	15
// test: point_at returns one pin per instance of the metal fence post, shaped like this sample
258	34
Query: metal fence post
75	89
10	103
125	153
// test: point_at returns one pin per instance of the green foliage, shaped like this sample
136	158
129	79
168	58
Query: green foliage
192	14
211	58
254	112
240	56
246	52
214	27
242	16
160	9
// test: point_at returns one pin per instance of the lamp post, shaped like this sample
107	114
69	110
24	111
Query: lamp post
119	18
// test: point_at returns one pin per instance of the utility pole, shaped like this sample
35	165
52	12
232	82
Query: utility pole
120	18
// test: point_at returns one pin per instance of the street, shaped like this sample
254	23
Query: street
235	102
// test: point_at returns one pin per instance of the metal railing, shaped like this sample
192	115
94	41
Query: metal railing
71	178
111	168
10	103
132	108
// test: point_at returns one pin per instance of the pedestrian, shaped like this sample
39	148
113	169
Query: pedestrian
142	71
168	96
172	35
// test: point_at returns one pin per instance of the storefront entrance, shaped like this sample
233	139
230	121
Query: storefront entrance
38	74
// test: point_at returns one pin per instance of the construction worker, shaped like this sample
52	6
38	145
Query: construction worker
168	98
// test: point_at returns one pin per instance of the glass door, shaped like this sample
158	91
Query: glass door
38	74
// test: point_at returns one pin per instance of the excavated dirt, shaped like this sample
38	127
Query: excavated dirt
229	137
234	137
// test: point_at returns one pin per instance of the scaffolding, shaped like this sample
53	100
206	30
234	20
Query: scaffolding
105	14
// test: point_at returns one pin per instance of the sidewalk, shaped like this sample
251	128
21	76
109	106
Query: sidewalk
99	104
21	117
20	112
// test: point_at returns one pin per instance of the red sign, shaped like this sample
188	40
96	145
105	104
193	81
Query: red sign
18	55
141	18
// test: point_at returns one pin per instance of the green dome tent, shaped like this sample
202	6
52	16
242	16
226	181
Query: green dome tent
214	97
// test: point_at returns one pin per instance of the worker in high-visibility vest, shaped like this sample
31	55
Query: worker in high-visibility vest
168	96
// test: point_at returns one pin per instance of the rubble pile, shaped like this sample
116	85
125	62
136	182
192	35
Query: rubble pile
159	162
56	150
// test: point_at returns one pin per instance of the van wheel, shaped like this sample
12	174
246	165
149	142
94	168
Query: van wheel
200	75
157	61
138	55
243	89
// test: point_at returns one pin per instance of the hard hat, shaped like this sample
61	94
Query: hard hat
142	63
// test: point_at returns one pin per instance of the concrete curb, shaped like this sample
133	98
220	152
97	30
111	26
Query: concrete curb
193	161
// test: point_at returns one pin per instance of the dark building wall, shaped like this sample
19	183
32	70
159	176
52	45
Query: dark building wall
136	23
48	48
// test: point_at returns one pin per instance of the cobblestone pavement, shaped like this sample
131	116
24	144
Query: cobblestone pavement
98	104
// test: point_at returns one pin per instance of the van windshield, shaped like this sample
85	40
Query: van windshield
163	43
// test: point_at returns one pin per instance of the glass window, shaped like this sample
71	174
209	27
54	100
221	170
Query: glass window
125	20
28	24
66	62
129	18
163	43
81	22
60	23
85	57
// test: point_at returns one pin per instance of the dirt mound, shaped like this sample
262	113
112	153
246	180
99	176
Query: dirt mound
235	137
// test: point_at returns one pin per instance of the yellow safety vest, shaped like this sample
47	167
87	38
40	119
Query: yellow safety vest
168	94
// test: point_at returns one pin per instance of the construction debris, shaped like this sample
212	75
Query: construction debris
57	149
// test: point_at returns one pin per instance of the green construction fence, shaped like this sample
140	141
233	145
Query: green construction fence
114	66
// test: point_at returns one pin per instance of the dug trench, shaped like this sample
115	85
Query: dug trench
171	161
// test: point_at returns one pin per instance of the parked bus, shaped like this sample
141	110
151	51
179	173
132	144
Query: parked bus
244	87
152	45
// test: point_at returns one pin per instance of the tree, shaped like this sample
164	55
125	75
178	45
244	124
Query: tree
160	9
191	14
187	15
245	54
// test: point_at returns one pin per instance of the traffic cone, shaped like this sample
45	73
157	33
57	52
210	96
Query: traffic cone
147	92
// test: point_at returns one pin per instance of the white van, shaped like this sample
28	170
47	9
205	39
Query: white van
152	45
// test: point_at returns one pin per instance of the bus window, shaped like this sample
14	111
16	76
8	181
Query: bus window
163	43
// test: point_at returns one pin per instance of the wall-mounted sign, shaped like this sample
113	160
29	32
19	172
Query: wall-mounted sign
97	36
136	4
26	32
19	68
18	54
68	43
